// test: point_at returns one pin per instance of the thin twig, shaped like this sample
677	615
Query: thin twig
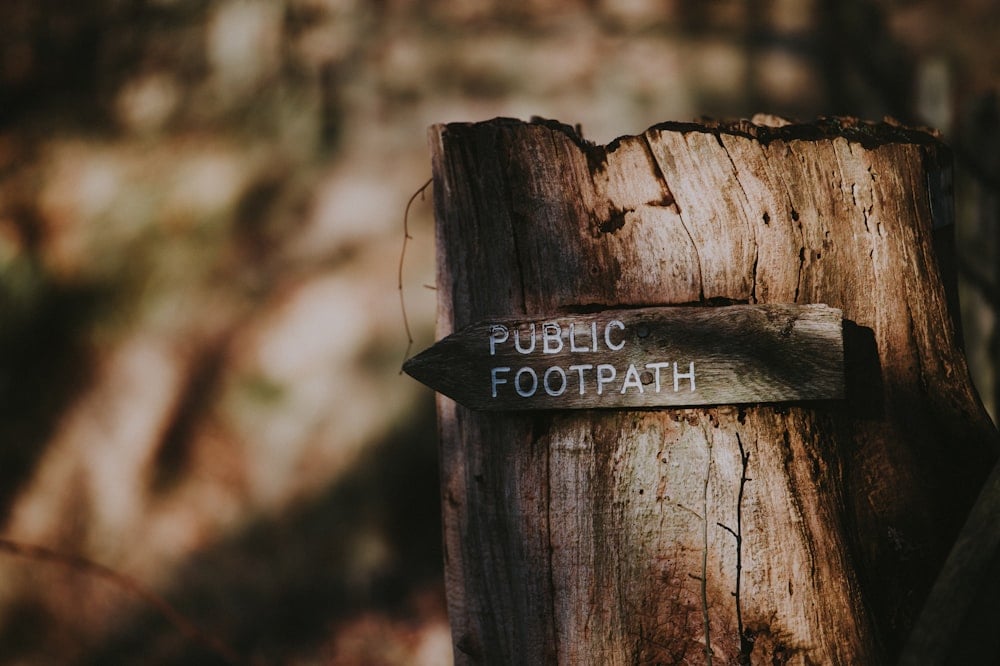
161	605
729	529
746	644
402	256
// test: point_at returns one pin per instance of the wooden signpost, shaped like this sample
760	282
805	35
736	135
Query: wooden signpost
647	357
729	529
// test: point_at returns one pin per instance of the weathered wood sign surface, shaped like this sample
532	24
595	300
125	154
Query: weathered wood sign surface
645	357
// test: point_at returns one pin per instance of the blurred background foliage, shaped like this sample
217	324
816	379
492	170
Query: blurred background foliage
200	222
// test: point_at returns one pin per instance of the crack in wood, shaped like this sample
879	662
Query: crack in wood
697	258
668	196
505	185
551	553
911	327
704	555
736	175
798	279
750	228
520	267
878	222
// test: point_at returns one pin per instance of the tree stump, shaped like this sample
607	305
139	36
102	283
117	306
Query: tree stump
793	533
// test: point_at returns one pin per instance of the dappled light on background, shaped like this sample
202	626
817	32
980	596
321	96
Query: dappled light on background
304	401
788	80
200	332
146	103
350	209
243	45
100	449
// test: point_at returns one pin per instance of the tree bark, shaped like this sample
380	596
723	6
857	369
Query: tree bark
797	533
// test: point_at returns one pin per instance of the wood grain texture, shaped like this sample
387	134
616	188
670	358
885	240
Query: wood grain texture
644	357
800	534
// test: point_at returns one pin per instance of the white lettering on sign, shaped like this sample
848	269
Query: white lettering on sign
581	369
572	338
605	377
555	369
632	379
552	337
655	367
678	376
517	341
498	334
518	385
607	335
496	380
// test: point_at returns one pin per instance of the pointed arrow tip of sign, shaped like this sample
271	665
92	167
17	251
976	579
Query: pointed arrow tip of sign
418	367
426	368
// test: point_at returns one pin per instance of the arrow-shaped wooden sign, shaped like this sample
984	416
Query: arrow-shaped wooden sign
646	357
